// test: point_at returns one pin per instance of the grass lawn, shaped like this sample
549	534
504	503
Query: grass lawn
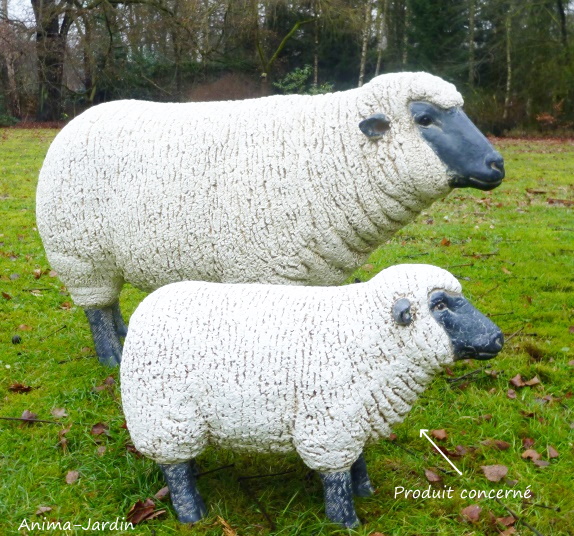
512	249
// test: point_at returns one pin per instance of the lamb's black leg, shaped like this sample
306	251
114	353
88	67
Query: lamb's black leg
121	328
185	498
339	505
362	486
106	340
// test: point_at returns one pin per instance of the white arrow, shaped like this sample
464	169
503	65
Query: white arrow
424	433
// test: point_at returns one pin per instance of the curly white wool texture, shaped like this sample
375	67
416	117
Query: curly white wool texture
282	189
318	370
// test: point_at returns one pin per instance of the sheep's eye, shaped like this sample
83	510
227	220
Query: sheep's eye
441	306
424	120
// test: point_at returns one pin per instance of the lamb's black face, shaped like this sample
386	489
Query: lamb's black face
469	156
472	334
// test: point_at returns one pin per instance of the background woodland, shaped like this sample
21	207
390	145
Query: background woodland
511	59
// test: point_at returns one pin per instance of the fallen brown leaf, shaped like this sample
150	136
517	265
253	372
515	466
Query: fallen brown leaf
42	510
99	429
19	388
29	416
533	381
37	273
461	451
541	463
494	473
432	476
531	454
66	306
471	513
506	521
528	442
140	511
101	450
445	242
143	511
130	448
508	532
59	413
564	202
496	443
450	453
72	476
6	296
511	393
227	530
517	381
439	434
552	452
506	270
63	440
162	493
25	327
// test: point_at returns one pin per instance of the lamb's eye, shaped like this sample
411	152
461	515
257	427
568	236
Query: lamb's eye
424	120
441	306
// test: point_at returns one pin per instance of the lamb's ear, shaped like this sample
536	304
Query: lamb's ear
402	312
375	126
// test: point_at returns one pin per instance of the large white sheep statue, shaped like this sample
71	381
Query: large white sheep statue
275	368
295	190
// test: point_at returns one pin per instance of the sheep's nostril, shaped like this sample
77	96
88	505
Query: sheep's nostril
496	163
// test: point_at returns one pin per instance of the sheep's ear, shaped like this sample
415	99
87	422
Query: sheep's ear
375	126
402	312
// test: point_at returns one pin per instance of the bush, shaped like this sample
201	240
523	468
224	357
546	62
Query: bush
297	81
7	120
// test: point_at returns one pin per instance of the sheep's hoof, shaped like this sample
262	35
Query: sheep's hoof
193	515
339	505
362	486
364	489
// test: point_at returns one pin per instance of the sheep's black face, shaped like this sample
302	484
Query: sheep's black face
472	334
470	158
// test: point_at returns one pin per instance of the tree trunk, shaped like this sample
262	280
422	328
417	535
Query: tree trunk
406	35
13	104
382	38
365	43
508	90
471	35
563	30
50	47
315	46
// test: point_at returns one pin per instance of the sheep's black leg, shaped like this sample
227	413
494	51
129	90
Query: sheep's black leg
339	505
362	486
120	325
185	498
106	340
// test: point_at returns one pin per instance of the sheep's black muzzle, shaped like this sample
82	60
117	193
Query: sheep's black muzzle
471	159
473	335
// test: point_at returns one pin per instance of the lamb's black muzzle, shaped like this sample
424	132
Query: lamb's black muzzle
473	335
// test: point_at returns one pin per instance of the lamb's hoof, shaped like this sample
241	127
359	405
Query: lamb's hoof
350	523
364	489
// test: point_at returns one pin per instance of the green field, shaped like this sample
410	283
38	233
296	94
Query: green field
512	249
